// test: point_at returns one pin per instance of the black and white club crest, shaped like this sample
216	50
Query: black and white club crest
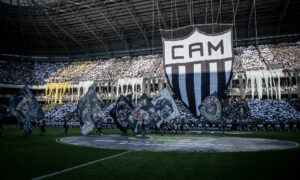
198	64
211	108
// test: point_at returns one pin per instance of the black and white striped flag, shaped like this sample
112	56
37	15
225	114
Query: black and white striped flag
198	64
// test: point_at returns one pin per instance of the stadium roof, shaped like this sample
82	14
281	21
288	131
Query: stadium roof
111	27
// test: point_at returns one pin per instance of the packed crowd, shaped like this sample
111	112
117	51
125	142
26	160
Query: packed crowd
17	72
125	67
187	120
48	71
267	54
29	72
235	111
65	112
246	58
55	115
75	70
273	111
287	54
246	115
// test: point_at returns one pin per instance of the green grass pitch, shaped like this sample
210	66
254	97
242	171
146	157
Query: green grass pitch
33	156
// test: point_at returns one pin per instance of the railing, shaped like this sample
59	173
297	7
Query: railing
107	89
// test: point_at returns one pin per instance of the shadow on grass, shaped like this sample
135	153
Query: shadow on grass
27	157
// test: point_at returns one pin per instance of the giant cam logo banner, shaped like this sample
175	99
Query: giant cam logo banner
198	65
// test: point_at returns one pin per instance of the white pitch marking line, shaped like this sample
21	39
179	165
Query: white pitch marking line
79	166
105	140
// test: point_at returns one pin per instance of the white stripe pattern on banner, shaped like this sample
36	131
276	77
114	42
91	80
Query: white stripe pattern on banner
169	74
213	77
197	86
182	84
228	66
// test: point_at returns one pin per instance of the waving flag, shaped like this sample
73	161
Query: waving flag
143	113
120	113
165	107
89	111
26	109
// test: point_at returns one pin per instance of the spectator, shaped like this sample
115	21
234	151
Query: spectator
162	128
1	128
43	128
65	127
99	128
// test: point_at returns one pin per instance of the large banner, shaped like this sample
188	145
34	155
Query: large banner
198	64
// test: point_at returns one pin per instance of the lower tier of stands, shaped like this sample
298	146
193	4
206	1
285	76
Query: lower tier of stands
249	115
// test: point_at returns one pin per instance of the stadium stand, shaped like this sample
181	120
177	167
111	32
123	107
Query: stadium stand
125	67
75	70
17	72
46	72
249	59
246	115
246	58
238	114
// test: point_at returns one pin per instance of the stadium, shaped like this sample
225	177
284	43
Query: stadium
157	89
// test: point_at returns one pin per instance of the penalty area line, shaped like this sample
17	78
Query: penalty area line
80	166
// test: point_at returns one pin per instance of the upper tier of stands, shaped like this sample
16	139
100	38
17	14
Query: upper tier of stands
284	55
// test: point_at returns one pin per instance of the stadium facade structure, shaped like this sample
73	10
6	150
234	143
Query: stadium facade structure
109	90
57	30
98	29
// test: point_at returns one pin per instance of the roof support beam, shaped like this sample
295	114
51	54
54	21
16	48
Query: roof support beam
56	24
56	10
131	10
285	4
110	20
36	29
56	36
8	16
250	16
21	25
190	11
86	25
219	12
161	14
